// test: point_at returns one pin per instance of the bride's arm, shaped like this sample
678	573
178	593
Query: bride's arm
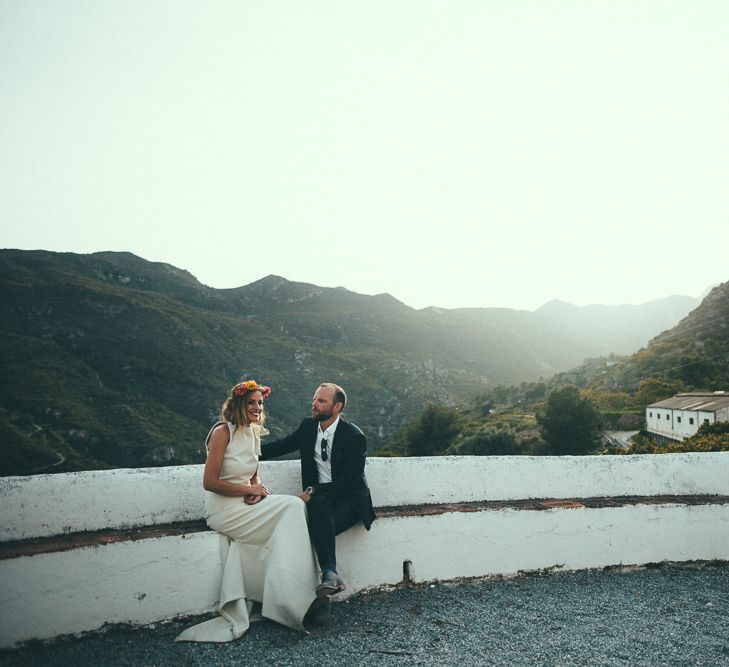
213	464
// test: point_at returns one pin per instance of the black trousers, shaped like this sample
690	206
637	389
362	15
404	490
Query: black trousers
327	519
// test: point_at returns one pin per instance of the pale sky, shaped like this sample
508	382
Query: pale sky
448	152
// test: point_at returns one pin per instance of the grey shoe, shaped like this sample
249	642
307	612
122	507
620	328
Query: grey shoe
320	612
331	584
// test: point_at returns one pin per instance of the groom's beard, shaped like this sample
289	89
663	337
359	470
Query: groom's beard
322	416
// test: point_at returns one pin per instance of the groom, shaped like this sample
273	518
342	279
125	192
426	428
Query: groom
333	453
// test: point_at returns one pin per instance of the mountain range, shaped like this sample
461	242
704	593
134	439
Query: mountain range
110	360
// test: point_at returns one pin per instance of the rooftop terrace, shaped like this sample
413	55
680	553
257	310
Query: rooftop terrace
667	615
123	549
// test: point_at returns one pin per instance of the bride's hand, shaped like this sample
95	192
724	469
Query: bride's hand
258	490
252	500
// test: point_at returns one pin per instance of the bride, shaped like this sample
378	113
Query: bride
267	556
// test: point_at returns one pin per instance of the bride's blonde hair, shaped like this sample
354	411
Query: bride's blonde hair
233	409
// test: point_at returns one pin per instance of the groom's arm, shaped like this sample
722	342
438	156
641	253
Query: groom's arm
285	445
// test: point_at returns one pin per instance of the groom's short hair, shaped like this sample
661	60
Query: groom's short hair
340	396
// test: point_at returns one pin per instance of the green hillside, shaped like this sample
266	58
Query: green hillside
692	356
110	360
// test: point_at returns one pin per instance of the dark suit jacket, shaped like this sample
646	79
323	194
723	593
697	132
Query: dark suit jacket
349	453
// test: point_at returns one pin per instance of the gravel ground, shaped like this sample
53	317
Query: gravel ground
671	615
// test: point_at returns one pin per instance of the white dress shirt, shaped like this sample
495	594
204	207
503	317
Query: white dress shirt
324	468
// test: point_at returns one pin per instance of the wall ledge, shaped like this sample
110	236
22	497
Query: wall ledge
79	540
47	505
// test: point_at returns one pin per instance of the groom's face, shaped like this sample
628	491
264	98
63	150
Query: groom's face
322	405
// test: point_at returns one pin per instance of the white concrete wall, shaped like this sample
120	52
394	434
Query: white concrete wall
448	546
45	505
148	580
151	579
142	581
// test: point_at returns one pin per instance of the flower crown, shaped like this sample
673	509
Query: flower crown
251	385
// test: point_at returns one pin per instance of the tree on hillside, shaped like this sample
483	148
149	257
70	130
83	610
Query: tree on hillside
534	391
693	369
656	389
487	441
433	432
612	400
570	423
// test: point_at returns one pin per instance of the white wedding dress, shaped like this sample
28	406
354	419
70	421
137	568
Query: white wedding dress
268	557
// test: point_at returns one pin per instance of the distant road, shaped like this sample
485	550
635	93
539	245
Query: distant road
61	459
620	438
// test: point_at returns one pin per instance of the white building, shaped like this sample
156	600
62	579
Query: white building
677	418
